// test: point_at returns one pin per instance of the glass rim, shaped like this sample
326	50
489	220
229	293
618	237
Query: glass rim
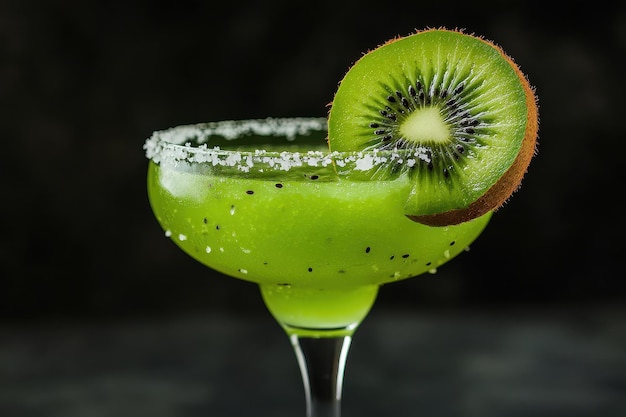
190	143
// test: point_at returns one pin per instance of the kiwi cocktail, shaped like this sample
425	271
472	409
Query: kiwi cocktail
426	137
318	230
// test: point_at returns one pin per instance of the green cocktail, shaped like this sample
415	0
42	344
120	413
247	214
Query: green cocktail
318	231
426	136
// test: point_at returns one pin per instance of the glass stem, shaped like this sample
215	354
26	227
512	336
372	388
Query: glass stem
322	361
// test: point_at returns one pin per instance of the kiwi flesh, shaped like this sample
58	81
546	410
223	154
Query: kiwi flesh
456	106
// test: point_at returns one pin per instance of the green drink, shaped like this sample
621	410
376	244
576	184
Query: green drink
319	240
426	136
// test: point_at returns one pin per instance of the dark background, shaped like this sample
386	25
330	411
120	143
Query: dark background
101	315
83	84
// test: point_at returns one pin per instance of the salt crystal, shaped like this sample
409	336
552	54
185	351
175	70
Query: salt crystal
365	163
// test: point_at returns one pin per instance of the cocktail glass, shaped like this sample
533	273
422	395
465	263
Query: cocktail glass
319	231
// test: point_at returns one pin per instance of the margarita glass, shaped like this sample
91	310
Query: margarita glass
319	231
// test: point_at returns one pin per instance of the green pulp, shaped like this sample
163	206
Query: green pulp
475	133
319	249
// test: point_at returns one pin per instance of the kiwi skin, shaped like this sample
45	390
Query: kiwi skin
500	192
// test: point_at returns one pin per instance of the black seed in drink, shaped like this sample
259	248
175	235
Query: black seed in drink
250	192
217	227
279	185
205	220
406	255
392	257
314	177
452	243
310	269
367	250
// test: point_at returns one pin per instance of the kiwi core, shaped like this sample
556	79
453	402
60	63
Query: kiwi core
425	125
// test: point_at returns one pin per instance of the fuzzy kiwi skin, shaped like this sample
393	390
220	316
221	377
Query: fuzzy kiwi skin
494	197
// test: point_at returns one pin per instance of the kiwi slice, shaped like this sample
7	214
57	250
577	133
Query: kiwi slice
454	108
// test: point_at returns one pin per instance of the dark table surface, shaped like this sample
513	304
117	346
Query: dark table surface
557	362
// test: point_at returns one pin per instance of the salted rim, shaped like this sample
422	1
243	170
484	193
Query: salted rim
190	143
